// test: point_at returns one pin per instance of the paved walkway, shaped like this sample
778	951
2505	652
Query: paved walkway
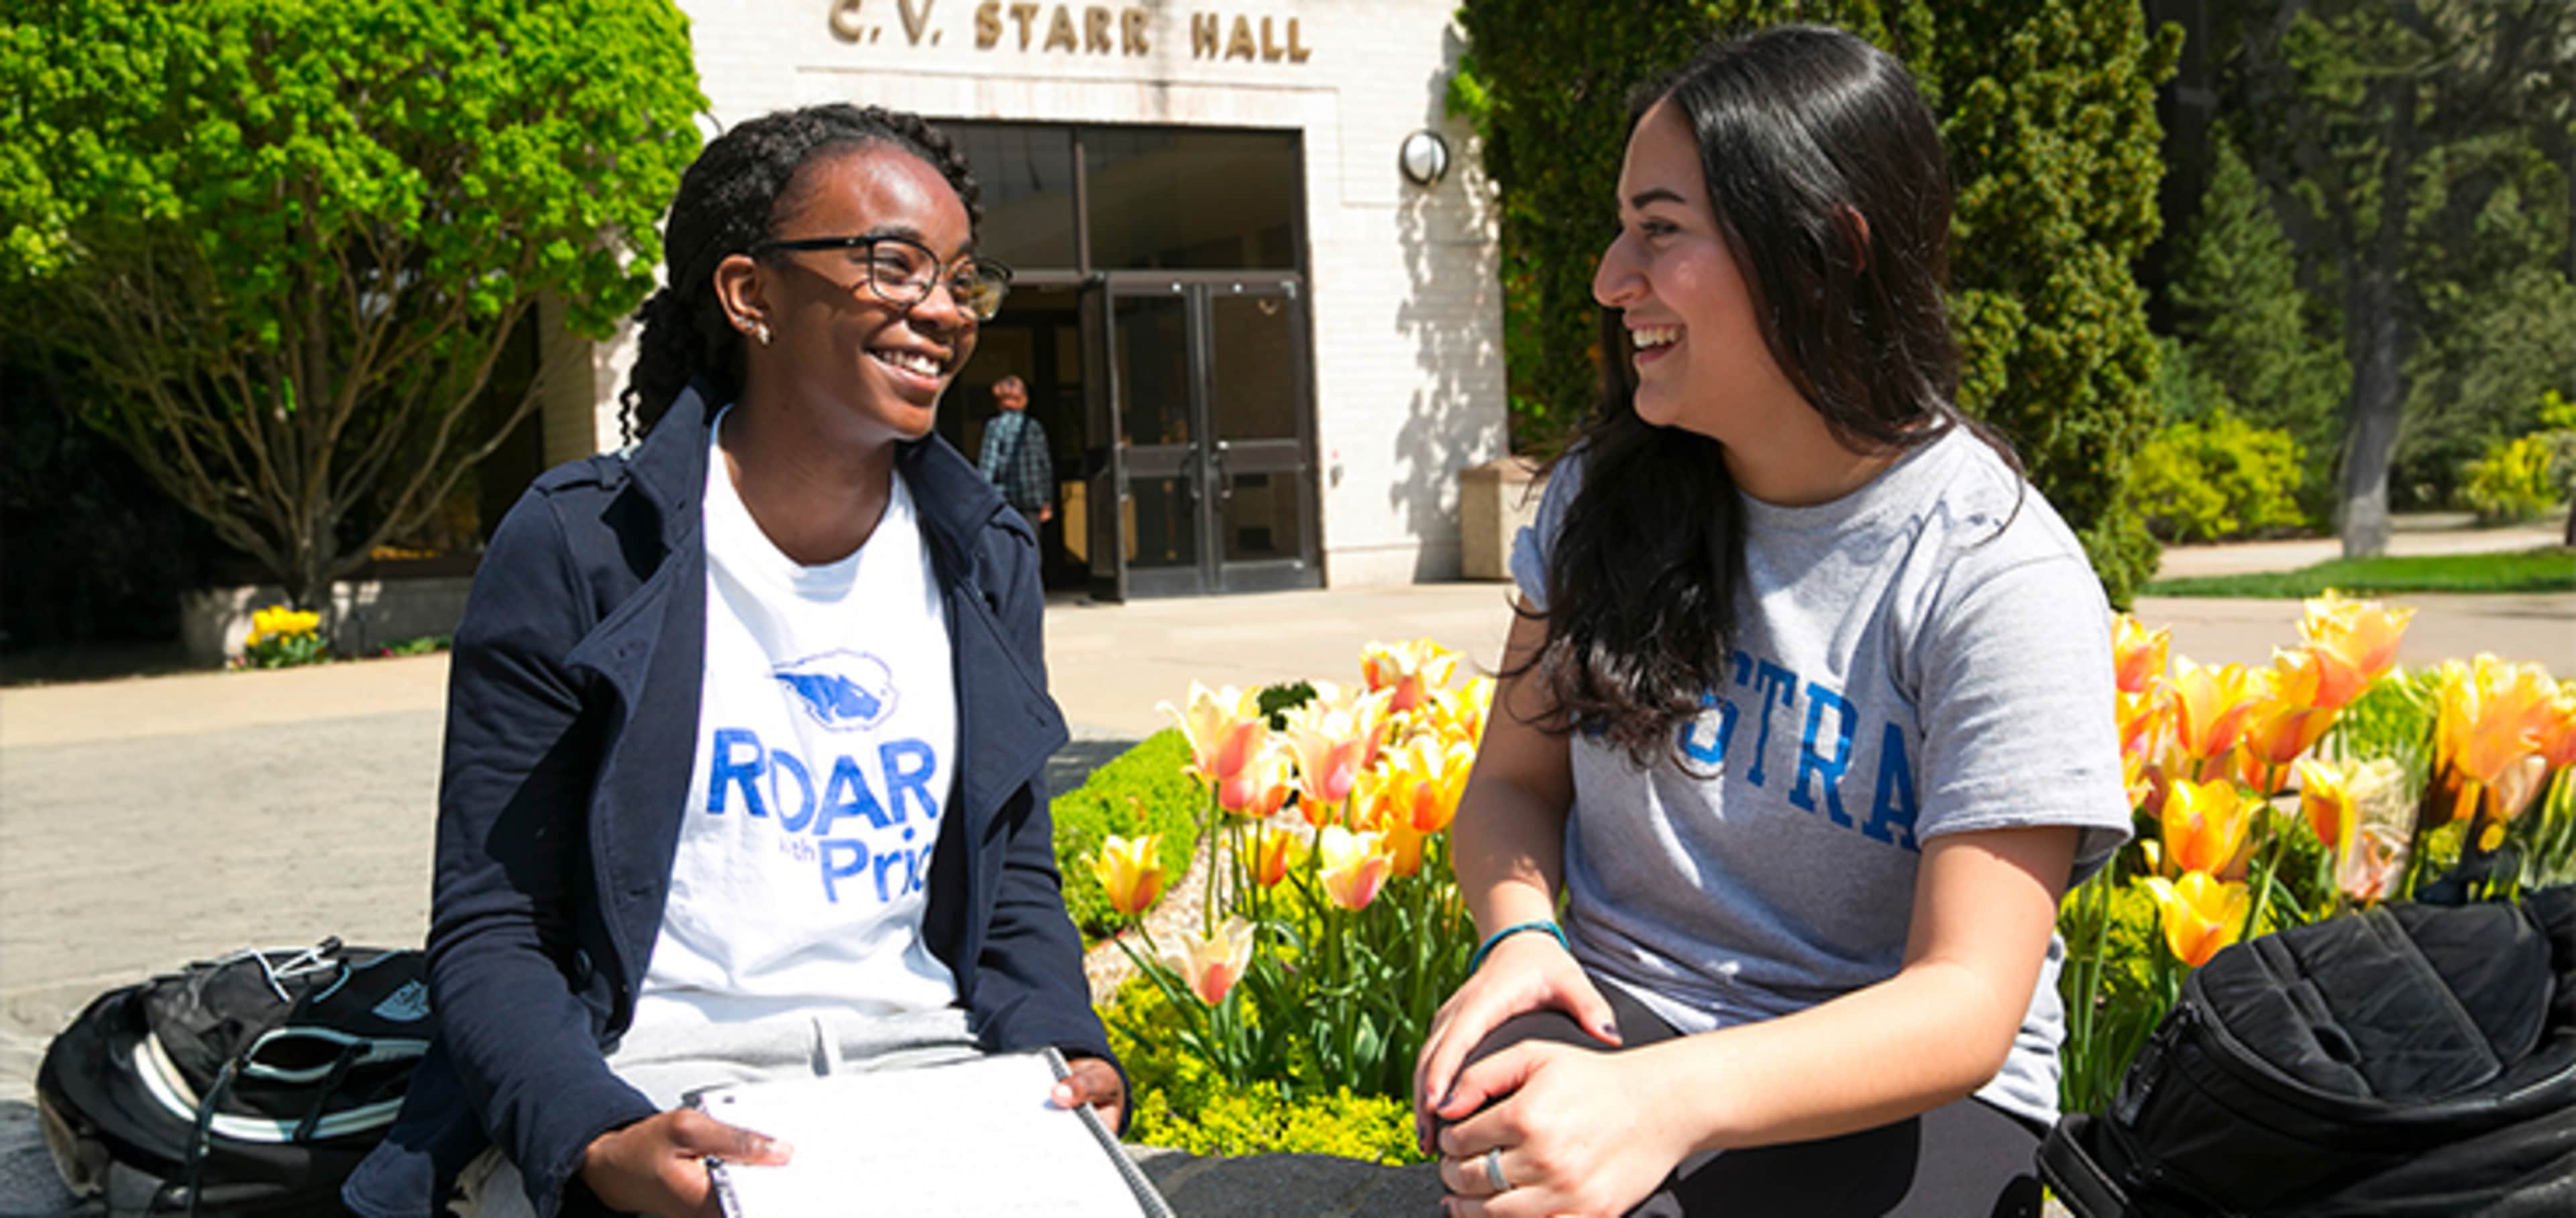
146	822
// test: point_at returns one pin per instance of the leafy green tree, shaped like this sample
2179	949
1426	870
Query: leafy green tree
2047	112
2392	137
2256	341
285	241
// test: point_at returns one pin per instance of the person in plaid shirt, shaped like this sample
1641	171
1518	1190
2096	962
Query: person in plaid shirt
1015	454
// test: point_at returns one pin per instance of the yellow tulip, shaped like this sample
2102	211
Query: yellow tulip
1225	729
1462	711
2354	641
2494	724
1428	776
2210	705
1408	672
2206	826
1212	965
2200	914
1131	872
2138	654
1353	867
1274	851
2285	720
1260	789
280	622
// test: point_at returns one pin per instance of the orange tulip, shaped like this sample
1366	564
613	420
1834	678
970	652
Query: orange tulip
2354	641
1407	672
2558	734
1212	965
2146	723
2285	720
1225	729
2200	914
1274	850
1130	872
2210	705
2137	653
1353	867
2206	826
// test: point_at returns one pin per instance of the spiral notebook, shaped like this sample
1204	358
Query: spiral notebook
971	1138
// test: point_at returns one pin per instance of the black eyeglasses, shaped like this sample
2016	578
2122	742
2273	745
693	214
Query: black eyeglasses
901	270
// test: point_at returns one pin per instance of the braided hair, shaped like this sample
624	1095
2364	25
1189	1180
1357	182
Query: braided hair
729	200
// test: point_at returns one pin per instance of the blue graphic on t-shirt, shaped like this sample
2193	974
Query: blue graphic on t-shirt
844	690
830	813
1825	749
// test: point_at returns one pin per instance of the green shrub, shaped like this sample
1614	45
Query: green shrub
1179	1103
2517	479
1140	791
2216	478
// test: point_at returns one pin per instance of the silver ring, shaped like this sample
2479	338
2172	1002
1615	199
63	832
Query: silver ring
1494	1170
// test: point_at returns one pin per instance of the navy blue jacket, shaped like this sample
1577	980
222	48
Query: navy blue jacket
572	713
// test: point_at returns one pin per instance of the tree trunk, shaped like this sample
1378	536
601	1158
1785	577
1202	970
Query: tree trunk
2372	337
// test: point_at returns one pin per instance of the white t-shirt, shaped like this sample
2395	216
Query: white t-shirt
827	744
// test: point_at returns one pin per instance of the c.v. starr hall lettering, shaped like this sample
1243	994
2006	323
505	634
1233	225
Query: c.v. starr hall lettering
1087	29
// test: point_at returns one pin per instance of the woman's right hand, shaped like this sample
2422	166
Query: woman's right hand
1528	971
658	1165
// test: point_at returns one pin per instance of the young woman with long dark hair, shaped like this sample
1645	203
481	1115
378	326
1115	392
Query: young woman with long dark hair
1806	719
747	725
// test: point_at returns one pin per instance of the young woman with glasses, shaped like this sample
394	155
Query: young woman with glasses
1806	719
747	724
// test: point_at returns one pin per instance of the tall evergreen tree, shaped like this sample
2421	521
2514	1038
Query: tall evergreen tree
2047	112
2378	128
2256	339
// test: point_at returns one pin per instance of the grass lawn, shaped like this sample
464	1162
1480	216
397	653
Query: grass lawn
2549	569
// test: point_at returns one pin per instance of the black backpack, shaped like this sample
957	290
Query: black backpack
2408	1060
247	1085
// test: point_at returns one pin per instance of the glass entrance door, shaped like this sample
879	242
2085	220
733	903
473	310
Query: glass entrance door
1208	401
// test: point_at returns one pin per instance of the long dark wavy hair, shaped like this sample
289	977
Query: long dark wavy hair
1802	130
730	198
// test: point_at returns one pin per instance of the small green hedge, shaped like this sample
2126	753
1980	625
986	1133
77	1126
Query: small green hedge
1140	791
1179	1104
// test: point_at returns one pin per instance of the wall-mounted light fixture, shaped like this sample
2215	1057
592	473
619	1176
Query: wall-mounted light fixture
1424	158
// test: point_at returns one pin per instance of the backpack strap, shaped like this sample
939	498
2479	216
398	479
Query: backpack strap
2072	1174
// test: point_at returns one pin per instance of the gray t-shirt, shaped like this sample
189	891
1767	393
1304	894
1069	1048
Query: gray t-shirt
1913	659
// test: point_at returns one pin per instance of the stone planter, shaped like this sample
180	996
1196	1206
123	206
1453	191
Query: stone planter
363	614
1495	501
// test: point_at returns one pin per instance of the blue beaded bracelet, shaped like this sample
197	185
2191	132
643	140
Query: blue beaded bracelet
1483	949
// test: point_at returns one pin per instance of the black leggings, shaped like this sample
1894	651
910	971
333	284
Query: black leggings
1967	1159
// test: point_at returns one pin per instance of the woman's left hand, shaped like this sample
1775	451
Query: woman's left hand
1094	1082
1580	1132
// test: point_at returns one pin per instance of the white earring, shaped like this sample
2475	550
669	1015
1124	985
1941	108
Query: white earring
760	330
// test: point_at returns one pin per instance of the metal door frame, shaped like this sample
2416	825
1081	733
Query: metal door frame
1202	462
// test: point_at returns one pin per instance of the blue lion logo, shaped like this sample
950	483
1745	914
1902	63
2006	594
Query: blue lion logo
843	690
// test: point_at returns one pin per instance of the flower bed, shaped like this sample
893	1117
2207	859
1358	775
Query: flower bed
1288	1017
2273	796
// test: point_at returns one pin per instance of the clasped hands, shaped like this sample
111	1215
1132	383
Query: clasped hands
1570	1129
